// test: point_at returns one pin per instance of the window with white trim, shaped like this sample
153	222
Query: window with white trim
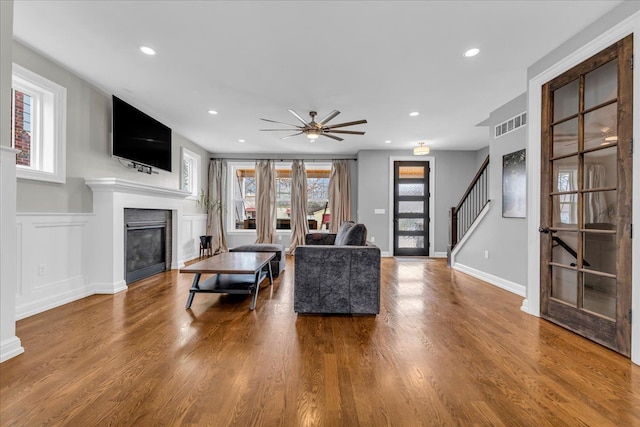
190	173
38	126
242	193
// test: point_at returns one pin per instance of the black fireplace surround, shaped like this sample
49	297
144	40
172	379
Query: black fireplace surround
147	242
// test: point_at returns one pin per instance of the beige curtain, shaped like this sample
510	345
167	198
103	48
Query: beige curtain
265	201
215	209
299	223
339	194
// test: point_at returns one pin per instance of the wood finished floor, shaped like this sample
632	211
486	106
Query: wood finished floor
446	349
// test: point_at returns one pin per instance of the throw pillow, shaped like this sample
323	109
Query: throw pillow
342	232
356	236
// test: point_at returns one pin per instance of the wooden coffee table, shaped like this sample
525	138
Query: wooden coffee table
234	273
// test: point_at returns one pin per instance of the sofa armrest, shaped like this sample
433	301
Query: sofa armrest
320	239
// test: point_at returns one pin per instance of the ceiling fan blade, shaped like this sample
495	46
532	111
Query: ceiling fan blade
328	117
332	137
286	130
339	125
298	117
289	136
351	132
282	123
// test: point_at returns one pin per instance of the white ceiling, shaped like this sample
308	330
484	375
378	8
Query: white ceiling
374	60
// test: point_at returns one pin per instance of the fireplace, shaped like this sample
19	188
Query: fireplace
112	197
147	242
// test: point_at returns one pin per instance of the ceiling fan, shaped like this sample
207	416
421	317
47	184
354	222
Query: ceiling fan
315	129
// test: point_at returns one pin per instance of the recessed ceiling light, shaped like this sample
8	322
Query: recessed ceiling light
147	50
241	140
387	142
472	52
212	112
414	113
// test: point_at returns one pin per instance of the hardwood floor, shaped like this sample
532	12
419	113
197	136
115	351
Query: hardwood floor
446	349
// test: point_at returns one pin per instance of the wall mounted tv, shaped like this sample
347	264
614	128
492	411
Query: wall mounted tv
139	137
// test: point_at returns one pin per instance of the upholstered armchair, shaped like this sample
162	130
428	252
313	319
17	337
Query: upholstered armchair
337	273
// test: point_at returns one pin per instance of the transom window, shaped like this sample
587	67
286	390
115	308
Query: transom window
243	193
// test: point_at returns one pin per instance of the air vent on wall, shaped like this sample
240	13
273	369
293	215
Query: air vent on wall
511	124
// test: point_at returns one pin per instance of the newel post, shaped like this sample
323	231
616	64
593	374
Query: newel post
453	233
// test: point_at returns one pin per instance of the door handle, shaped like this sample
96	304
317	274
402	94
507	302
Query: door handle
544	230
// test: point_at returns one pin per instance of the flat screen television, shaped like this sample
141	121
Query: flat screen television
139	137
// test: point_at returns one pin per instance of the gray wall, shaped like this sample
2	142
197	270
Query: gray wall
601	25
481	154
453	173
88	146
504	238
237	238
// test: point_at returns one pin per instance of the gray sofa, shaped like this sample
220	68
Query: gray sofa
337	279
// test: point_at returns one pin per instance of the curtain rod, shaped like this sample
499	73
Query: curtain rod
237	159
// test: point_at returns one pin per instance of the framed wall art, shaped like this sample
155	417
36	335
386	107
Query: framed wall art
514	185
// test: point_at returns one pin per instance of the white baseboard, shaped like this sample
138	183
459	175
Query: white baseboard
525	305
10	347
385	254
52	301
108	288
439	255
494	280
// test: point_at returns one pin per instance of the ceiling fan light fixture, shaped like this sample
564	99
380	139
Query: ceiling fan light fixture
421	149
312	134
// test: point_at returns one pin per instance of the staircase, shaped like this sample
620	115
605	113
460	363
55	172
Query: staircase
462	217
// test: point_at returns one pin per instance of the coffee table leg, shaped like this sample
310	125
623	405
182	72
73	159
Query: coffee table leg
270	274
192	292
255	294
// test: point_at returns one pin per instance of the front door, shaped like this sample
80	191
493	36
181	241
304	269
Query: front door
411	208
586	198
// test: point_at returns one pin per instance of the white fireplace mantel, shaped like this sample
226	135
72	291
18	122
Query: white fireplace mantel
111	196
115	185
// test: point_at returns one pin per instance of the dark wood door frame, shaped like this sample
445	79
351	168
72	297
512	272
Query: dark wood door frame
616	333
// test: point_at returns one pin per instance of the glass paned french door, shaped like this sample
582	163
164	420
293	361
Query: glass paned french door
586	198
411	208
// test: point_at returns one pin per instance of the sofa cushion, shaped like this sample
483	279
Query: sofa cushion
342	232
356	236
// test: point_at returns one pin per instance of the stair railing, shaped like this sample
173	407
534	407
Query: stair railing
476	197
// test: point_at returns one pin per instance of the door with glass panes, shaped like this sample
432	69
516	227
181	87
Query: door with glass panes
411	208
586	198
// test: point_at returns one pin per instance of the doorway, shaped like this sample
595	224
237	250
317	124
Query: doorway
411	208
586	198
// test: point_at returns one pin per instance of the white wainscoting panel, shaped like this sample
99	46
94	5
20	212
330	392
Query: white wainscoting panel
52	252
193	226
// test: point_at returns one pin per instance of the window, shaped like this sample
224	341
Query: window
38	126
190	173
567	181
243	192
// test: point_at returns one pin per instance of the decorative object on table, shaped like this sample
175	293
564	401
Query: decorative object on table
315	129
514	185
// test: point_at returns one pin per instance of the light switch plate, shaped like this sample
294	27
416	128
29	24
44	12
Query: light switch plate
379	211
